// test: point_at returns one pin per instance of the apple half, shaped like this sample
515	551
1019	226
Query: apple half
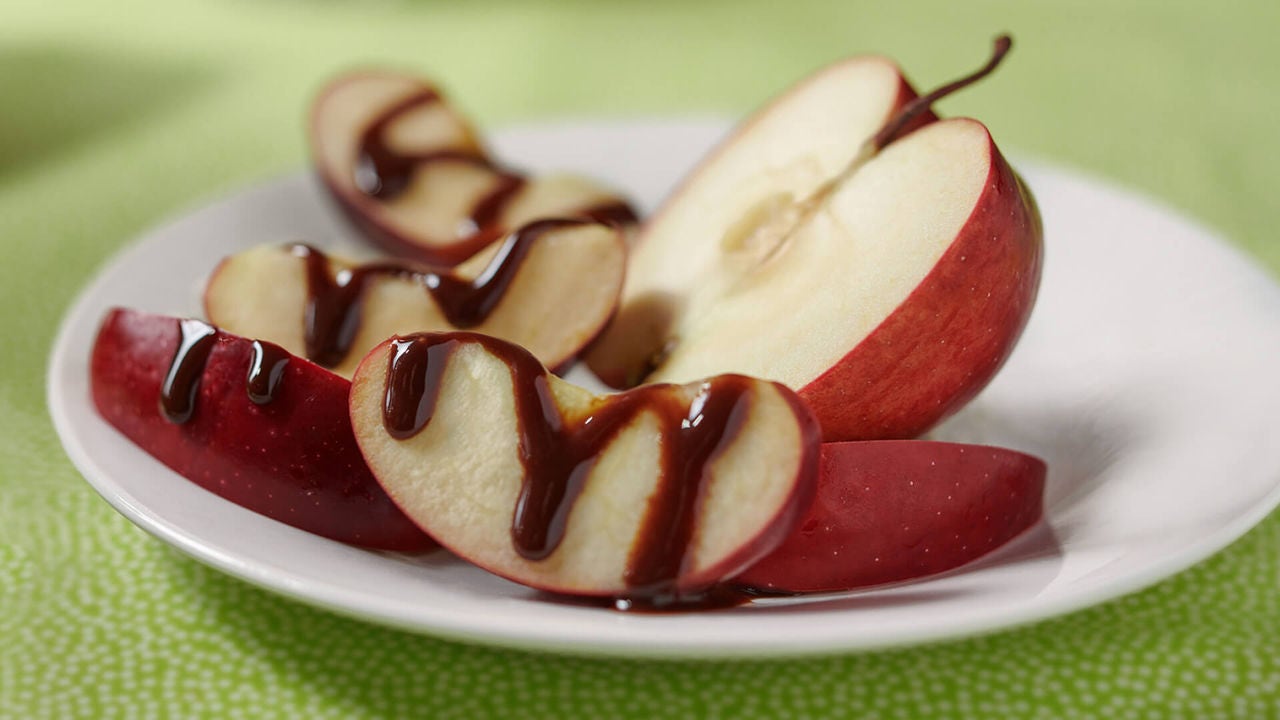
411	173
550	286
658	492
277	441
893	510
843	242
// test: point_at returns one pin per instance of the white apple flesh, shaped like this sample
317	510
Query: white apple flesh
461	476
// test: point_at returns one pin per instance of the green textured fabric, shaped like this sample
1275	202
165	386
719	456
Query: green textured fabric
116	114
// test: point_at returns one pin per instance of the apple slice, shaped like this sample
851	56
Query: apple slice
409	171
246	421
653	495
550	286
886	288
894	510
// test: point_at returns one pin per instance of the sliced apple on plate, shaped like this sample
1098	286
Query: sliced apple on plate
658	492
550	286
894	510
883	268
247	421
411	173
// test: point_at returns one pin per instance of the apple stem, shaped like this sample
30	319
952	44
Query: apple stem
893	129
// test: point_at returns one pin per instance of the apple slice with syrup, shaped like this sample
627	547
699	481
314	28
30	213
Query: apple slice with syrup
409	171
246	421
653	495
550	286
893	510
884	273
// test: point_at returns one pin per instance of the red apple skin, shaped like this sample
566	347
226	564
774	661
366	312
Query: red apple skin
951	335
293	459
893	510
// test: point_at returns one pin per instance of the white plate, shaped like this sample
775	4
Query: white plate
1147	379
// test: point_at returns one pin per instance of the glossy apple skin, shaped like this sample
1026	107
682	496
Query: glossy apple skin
293	459
951	335
894	510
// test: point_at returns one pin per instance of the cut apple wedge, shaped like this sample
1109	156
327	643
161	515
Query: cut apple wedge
656	493
550	286
410	172
883	266
246	421
894	510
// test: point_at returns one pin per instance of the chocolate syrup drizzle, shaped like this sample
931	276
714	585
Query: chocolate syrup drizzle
266	370
334	301
383	173
611	212
182	380
558	454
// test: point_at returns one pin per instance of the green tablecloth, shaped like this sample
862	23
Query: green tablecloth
116	114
